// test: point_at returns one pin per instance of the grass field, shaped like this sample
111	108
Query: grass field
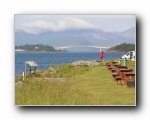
82	86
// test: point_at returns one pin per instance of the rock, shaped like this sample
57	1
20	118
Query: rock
18	77
52	69
86	63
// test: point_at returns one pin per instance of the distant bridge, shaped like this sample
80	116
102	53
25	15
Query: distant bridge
64	47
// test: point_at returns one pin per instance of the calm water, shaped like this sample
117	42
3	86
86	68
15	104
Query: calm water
45	59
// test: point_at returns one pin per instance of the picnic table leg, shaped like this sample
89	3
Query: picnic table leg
133	77
125	79
121	74
119	82
114	77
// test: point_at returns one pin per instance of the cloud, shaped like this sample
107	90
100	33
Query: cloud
39	26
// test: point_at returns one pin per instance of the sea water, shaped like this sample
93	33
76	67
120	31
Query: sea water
44	59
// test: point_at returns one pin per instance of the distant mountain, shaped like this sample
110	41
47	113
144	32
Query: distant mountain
82	37
131	33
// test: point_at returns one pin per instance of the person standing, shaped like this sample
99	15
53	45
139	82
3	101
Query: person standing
101	55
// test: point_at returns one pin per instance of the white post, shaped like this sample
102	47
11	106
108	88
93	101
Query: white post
23	75
25	69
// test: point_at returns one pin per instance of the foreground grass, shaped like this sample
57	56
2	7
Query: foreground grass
92	86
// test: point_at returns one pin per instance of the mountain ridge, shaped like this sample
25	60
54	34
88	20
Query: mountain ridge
80	37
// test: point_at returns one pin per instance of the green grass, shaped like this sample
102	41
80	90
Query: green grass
83	86
131	64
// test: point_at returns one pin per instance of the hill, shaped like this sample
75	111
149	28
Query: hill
122	48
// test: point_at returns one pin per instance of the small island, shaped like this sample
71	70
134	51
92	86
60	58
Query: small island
125	47
36	48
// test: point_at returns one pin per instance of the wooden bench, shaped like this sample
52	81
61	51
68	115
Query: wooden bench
118	79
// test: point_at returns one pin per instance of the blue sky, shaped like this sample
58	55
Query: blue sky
36	24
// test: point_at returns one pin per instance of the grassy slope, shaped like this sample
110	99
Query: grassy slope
92	87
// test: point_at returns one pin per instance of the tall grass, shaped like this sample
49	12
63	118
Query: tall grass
66	71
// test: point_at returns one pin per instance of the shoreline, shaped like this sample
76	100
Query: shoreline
76	63
86	63
71	52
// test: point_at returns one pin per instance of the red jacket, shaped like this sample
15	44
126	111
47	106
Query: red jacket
101	54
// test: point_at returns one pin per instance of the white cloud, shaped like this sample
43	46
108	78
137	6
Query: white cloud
39	26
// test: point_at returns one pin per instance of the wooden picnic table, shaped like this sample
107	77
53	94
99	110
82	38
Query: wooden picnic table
127	76
121	67
114	62
113	70
122	70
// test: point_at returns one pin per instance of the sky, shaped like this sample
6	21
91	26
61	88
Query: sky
36	24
